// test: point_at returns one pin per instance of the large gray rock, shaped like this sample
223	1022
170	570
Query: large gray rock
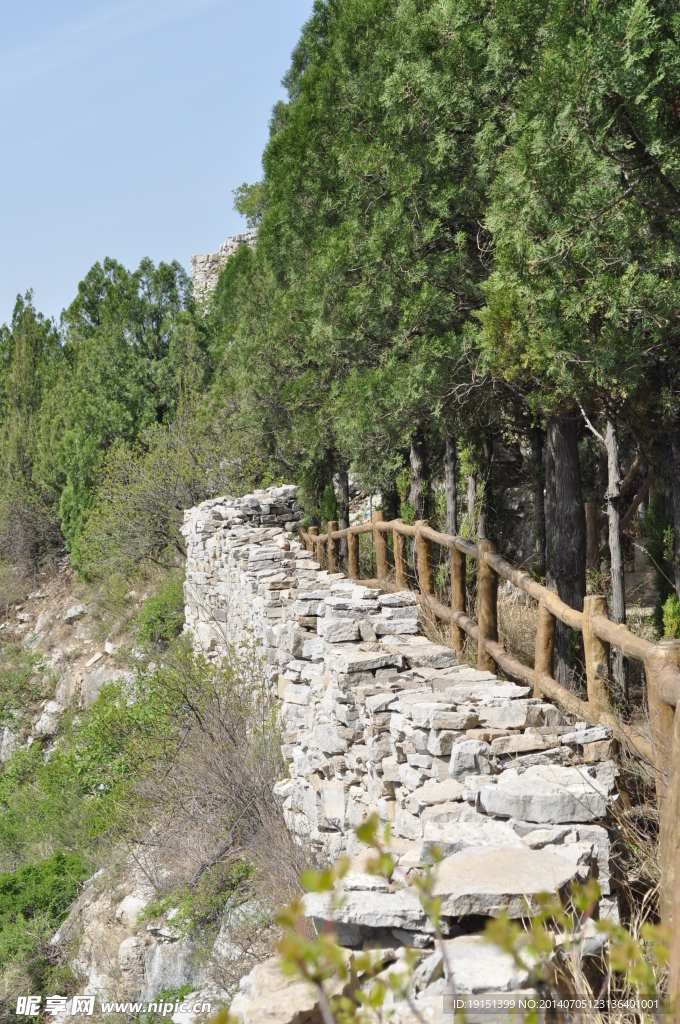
8	742
434	792
329	740
546	794
75	612
168	965
267	996
469	757
451	837
337	631
478	966
488	880
400	909
131	957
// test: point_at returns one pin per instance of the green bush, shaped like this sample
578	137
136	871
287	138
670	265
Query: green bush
671	618
658	527
162	617
39	893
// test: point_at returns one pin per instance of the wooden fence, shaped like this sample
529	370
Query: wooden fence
656	741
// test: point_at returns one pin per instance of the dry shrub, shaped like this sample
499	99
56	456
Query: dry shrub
517	623
209	833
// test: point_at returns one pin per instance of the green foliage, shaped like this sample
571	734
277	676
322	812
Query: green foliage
249	201
657	528
23	684
671	618
202	908
144	489
34	900
162	617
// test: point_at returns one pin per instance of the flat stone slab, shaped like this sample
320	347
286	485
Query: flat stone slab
267	996
400	909
546	794
437	793
479	966
367	661
490	880
452	837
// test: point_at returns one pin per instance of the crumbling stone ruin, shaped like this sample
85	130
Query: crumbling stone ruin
205	269
378	718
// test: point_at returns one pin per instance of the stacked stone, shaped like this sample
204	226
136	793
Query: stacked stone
376	718
205	268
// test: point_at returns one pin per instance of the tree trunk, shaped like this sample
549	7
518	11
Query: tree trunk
674	473
416	496
486	526
568	548
618	609
450	474
549	512
472	505
343	504
538	475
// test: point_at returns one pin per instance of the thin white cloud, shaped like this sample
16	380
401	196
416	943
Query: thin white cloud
82	37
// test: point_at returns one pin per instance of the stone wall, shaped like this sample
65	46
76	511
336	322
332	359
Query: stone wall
205	268
378	718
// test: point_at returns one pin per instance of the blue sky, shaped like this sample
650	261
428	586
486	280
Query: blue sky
126	124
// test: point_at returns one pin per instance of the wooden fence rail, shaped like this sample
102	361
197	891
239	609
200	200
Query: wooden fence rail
657	742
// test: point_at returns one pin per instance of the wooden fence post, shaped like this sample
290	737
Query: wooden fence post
424	557
458	597
487	606
332	547
592	536
544	655
312	532
380	542
597	654
400	559
669	842
353	555
661	715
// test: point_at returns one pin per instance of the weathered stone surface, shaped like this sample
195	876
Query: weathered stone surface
441	742
333	803
329	740
436	793
478	966
131	957
487	880
8	742
454	836
267	996
512	715
549	793
74	613
430	656
400	909
296	693
442	813
167	966
407	825
459	720
469	757
521	743
336	631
